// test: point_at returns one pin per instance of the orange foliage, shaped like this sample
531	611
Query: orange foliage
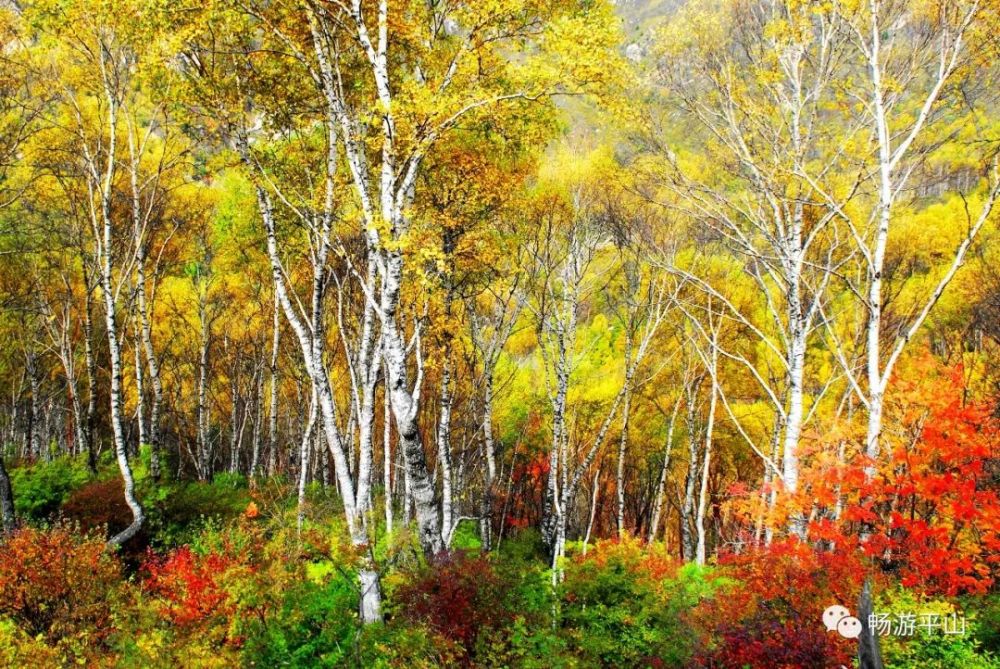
251	511
642	561
56	583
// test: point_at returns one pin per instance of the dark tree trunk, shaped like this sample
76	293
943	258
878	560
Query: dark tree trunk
869	653
6	500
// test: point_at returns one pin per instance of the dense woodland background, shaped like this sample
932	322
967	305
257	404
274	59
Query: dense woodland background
498	333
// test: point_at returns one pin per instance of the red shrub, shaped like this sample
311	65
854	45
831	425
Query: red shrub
772	615
762	641
190	586
931	514
57	583
99	505
459	598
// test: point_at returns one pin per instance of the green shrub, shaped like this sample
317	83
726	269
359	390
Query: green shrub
20	649
531	640
987	629
177	513
402	647
624	604
41	488
932	649
229	480
523	547
466	536
314	626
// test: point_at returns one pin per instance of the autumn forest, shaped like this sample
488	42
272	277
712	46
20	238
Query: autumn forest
500	333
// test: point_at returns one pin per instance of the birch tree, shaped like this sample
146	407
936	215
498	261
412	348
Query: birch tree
229	90
21	105
906	97
756	184
146	192
450	75
106	57
661	481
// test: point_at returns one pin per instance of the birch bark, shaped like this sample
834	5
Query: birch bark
661	484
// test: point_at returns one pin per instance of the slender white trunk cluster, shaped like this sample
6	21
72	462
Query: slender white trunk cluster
387	463
623	441
304	451
91	366
272	414
661	483
203	444
311	337
490	329
769	132
701	547
141	221
558	342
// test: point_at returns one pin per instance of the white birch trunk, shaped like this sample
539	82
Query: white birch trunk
35	446
387	462
272	414
203	446
311	343
661	484
140	393
486	501
687	506
444	448
304	448
258	413
706	464
623	442
594	491
101	186
144	327
114	355
91	365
